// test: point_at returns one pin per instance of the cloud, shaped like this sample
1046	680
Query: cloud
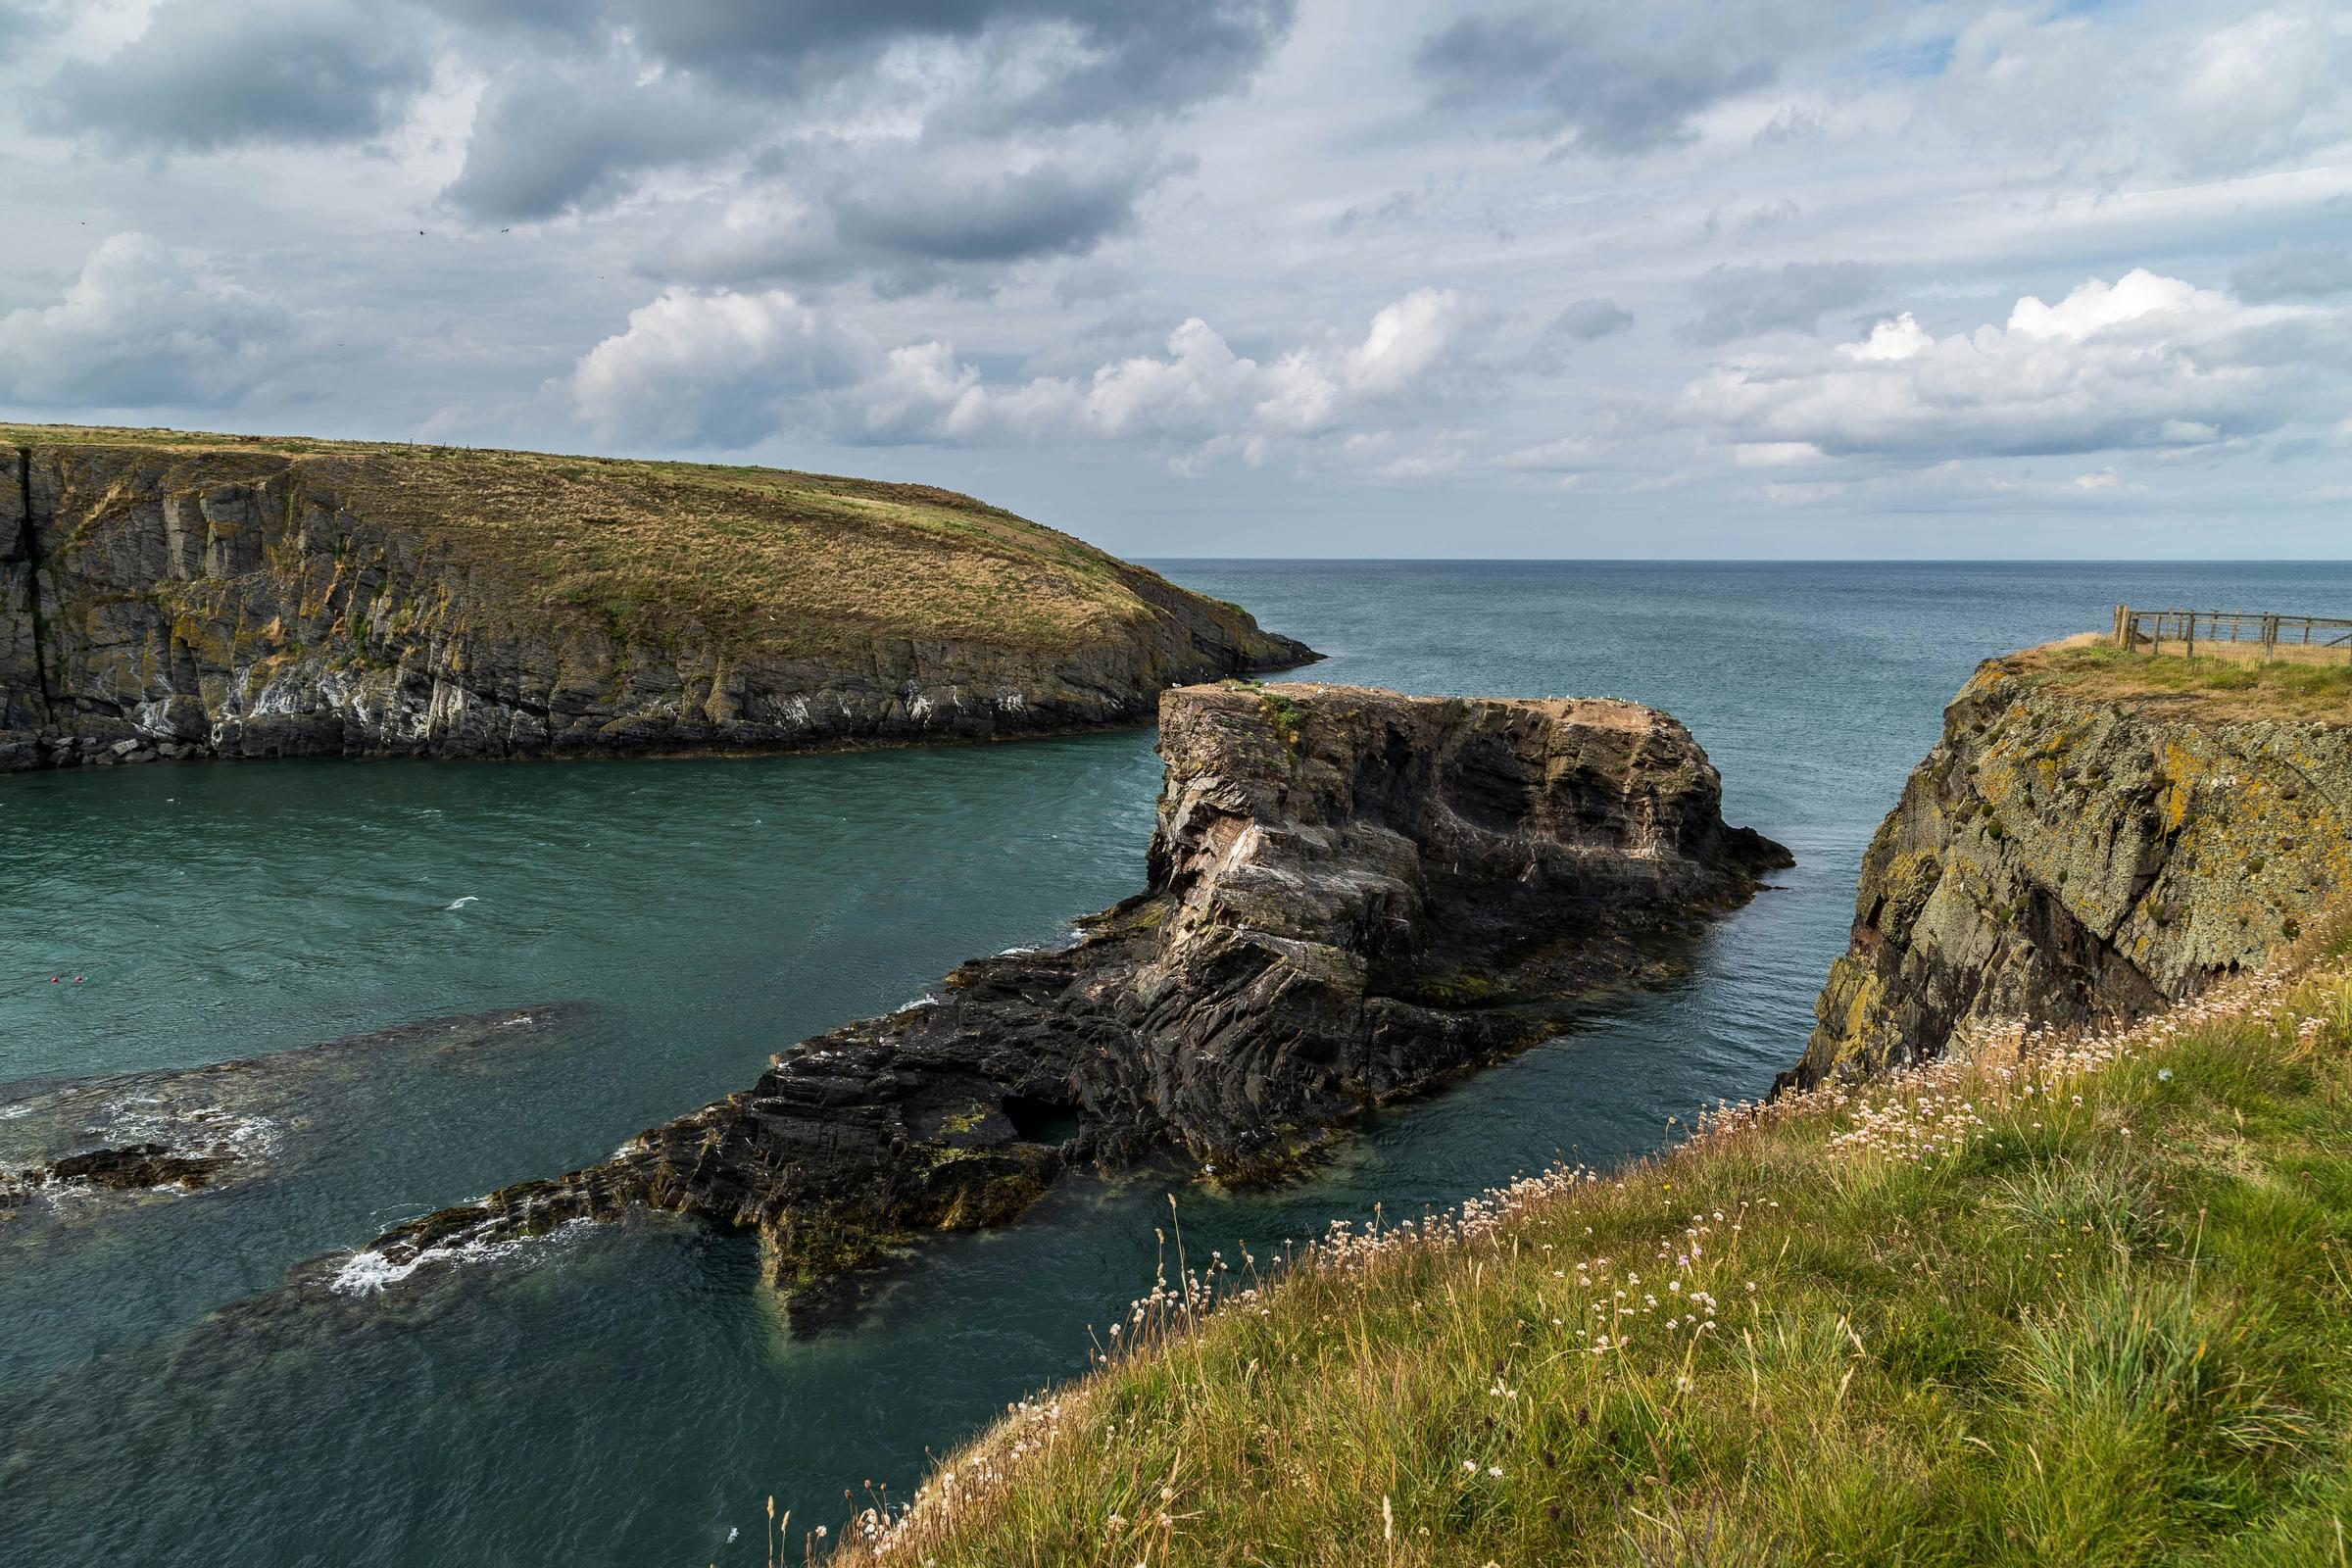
2203	96
1112	61
1587	321
1603	80
555	137
732	368
1747	300
2148	362
143	327
907	221
716	369
925	143
2306	272
205	76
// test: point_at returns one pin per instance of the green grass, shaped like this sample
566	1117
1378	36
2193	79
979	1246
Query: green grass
770	561
2054	1299
2216	687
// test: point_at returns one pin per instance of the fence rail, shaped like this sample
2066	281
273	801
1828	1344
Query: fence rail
2238	632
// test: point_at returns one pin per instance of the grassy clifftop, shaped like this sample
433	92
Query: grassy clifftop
2210	689
774	561
2077	1299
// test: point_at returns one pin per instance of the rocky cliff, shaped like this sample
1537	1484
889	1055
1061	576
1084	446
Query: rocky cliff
168	595
1351	895
2095	835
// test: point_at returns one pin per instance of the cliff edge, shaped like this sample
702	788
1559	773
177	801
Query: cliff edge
2097	834
1351	895
172	595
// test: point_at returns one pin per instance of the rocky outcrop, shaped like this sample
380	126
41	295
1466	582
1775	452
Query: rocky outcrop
1351	895
2071	851
176	601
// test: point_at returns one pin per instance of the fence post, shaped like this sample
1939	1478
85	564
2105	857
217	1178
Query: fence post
2270	638
2121	636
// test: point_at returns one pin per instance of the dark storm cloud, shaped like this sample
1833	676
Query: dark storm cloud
1591	75
1743	301
2295	273
205	76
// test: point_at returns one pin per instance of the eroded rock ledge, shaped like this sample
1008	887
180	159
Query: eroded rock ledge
2070	852
1351	895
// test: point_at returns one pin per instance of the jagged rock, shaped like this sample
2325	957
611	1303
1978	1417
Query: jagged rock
1351	895
2066	855
233	599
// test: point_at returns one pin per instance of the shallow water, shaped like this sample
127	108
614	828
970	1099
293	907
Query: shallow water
631	1394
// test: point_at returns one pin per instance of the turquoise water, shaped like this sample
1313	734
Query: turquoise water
631	1394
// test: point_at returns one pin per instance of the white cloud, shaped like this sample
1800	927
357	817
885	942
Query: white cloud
145	327
729	370
2219	93
2147	363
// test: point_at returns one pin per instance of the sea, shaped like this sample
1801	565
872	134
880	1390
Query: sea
547	957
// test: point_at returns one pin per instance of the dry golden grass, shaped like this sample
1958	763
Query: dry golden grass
773	560
2204	687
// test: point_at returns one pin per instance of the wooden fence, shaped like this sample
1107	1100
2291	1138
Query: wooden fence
2233	634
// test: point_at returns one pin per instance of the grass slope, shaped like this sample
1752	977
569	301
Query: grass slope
773	560
2053	1299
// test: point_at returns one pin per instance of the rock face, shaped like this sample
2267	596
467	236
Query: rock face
1351	895
2064	855
177	600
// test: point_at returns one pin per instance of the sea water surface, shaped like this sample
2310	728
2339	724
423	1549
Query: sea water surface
631	1394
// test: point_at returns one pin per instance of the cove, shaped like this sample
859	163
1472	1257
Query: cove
631	1394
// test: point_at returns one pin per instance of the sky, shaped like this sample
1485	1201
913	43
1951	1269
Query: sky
1782	279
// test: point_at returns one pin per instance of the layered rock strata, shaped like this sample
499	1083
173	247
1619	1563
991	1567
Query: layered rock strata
189	601
2064	855
1351	895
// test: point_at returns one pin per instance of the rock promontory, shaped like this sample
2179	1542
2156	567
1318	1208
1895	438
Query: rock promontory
170	594
1351	895
2096	835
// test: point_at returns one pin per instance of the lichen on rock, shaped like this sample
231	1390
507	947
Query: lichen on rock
2081	846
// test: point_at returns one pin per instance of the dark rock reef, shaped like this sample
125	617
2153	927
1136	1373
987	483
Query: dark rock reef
2076	849
165	596
1351	895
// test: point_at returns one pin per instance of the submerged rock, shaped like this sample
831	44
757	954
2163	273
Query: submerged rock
2082	844
1351	895
165	596
222	1124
